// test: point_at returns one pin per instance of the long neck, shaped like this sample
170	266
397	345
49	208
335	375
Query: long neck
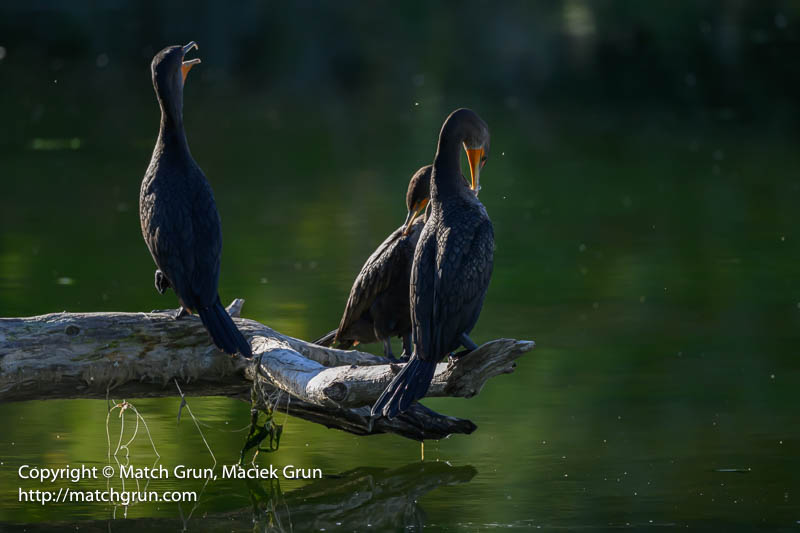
446	166
170	133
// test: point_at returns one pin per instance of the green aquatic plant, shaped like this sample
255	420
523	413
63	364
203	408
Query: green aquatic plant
262	426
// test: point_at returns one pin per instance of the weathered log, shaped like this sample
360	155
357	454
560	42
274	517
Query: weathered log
96	355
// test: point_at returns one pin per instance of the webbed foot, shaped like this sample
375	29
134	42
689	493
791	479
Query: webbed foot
455	356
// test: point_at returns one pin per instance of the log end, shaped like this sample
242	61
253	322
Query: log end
336	392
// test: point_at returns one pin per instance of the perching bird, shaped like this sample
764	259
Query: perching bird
452	263
179	218
378	306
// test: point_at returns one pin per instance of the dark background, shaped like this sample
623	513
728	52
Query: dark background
643	184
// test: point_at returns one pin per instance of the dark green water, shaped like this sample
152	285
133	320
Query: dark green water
650	251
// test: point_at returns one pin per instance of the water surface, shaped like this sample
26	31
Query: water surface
651	255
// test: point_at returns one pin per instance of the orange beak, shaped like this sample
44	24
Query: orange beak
413	214
186	66
475	157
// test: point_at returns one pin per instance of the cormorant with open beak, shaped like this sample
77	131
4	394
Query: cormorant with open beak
179	218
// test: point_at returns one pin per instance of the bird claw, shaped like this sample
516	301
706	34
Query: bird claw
455	356
162	283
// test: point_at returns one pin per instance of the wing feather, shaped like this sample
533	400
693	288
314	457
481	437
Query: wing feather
374	278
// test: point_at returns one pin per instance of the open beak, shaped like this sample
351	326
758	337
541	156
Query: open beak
413	214
475	156
186	66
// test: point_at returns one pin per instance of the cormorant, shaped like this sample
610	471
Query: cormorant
179	218
452	262
378	307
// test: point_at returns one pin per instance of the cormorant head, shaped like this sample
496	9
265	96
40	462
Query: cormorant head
418	195
169	70
472	132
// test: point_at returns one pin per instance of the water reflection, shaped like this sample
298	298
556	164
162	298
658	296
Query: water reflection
379	498
364	497
643	188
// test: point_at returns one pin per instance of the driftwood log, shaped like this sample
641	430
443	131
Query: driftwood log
127	355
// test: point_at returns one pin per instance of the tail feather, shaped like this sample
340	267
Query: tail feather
327	339
223	331
408	386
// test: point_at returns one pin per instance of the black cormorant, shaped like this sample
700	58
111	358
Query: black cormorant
179	218
378	307
452	262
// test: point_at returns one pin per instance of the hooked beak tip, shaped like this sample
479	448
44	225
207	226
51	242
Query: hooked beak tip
407	223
